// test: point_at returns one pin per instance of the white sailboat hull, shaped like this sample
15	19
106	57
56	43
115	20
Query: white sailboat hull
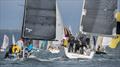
76	56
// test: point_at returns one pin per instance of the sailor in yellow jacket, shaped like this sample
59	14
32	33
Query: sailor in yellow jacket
16	49
65	41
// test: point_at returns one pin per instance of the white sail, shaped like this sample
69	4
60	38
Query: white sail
59	31
59	25
13	39
5	43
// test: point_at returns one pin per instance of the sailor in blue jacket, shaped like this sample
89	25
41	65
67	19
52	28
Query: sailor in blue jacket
30	46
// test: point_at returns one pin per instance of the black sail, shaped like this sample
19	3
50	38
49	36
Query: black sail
98	17
39	19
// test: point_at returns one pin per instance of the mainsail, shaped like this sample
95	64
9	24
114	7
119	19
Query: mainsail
39	19
98	17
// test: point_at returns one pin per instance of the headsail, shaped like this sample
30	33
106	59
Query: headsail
54	45
98	17
59	24
13	39
39	19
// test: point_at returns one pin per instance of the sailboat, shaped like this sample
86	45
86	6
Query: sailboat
5	43
88	53
42	23
9	56
39	21
97	19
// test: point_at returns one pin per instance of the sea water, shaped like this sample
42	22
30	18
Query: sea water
46	59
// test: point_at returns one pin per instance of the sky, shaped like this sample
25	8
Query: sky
11	13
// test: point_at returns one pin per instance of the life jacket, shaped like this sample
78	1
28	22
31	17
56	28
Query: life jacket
30	47
65	42
16	49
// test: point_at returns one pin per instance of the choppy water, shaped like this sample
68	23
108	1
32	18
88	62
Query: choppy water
97	61
112	59
59	60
